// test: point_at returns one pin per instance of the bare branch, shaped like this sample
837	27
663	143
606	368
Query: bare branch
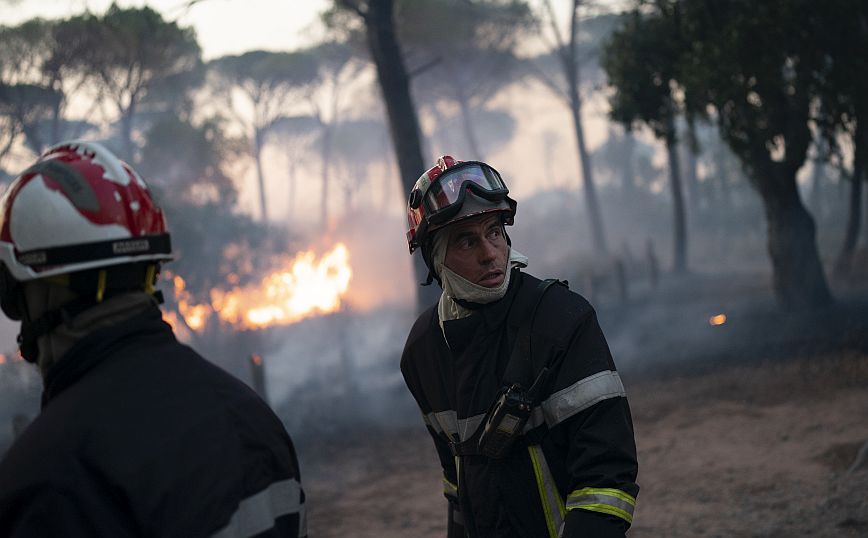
553	22
555	88
411	73
354	6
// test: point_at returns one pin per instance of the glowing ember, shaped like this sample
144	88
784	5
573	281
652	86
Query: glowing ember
257	360
300	287
2	358
719	319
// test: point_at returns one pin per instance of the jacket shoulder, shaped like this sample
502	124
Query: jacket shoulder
561	312
416	358
422	326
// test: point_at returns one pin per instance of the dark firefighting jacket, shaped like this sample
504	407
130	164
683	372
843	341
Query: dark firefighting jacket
140	436
573	472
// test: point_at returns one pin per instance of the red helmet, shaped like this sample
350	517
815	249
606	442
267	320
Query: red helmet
439	196
79	207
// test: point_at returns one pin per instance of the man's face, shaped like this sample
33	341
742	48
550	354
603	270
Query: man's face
477	249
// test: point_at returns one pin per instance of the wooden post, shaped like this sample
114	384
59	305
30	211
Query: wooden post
621	276
653	265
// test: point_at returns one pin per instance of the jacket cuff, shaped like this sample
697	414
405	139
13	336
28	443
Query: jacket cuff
579	523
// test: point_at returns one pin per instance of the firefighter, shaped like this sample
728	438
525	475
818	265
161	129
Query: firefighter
513	376
138	435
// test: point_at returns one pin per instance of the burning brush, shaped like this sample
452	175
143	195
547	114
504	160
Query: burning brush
298	288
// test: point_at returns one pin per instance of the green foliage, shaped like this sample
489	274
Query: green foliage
843	82
191	161
766	71
265	75
755	63
592	34
641	60
26	106
132	48
132	53
472	45
496	127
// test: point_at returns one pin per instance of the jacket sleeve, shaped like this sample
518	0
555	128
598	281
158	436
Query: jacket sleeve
55	513
450	474
589	414
455	522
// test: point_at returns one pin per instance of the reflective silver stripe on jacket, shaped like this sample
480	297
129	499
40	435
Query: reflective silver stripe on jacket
558	407
581	395
604	500
258	513
447	422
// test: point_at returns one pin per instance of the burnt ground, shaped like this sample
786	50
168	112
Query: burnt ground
750	431
757	450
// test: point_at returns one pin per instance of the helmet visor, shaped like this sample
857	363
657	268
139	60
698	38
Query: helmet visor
446	194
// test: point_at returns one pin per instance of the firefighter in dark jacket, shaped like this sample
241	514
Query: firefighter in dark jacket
138	434
513	376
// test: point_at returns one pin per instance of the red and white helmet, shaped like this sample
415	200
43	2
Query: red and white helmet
79	207
440	197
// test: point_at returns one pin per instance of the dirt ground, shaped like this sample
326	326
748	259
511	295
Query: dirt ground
745	451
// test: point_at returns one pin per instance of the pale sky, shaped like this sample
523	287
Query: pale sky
236	26
222	26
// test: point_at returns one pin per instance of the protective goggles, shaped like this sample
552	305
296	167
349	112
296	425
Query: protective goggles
445	196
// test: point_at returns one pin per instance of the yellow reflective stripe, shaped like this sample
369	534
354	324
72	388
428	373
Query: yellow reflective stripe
553	505
449	488
604	500
605	509
617	493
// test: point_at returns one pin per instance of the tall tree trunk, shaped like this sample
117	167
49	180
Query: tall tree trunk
628	171
851	235
865	231
590	189
56	115
799	281
438	139
467	125
679	227
290	188
571	69
325	155
127	130
816	201
691	176
403	121
260	175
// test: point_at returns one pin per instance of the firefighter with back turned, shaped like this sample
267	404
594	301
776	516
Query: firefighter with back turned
513	376
138	435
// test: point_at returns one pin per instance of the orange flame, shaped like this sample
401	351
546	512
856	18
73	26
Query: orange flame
301	287
719	319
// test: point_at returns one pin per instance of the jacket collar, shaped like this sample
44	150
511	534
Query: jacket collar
96	347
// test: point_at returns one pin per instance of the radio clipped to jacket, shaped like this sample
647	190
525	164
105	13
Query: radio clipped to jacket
505	421
507	416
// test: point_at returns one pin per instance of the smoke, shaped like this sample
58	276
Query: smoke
342	372
382	266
